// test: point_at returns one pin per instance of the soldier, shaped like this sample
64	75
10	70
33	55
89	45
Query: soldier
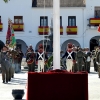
20	57
94	60
88	59
41	58
5	65
75	69
70	57
98	61
15	60
30	59
79	59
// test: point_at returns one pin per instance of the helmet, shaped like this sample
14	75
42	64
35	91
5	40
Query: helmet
40	46
69	45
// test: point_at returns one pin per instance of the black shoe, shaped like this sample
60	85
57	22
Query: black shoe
3	82
9	79
6	82
13	76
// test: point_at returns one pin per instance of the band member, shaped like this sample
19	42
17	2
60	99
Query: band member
70	57
30	59
41	58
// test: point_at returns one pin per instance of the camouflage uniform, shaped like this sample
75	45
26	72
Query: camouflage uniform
79	59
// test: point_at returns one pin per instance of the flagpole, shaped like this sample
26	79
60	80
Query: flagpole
56	34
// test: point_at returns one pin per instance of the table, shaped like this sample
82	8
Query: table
57	86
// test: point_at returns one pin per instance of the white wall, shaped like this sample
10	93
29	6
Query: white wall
31	19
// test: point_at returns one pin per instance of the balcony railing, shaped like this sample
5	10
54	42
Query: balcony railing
1	26
71	30
18	27
43	30
94	21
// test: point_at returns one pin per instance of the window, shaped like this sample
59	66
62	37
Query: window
18	19
43	21
60	20
97	12
71	20
34	3
0	19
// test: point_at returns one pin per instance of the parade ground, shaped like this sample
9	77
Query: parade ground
20	82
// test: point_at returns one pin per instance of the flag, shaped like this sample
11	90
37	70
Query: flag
8	36
13	40
99	28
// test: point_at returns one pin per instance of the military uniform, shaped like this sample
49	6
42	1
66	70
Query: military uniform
98	62
88	61
30	59
5	67
70	57
79	59
41	58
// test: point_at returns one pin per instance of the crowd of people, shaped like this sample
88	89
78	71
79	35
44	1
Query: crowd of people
77	59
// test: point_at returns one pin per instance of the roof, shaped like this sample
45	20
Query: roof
63	3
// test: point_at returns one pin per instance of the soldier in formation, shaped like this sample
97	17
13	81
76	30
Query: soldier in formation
30	59
41	58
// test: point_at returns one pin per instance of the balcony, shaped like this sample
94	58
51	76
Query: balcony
18	27
94	21
61	30
1	26
43	30
71	30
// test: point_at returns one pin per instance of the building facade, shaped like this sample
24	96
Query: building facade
31	19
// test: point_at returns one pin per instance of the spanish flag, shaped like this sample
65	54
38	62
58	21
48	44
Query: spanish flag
71	30
43	30
94	21
99	28
18	27
1	26
61	30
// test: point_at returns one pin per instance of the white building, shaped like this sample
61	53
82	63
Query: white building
28	18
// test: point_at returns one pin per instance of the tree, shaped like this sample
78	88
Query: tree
6	1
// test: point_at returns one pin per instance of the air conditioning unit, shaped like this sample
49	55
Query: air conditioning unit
93	27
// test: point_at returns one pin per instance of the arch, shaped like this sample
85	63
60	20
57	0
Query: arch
22	45
46	45
94	42
1	45
64	45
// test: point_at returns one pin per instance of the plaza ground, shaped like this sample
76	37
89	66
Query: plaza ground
20	81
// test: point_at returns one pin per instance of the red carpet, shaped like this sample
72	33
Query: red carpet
57	86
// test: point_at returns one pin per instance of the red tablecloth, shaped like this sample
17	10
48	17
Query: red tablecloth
57	86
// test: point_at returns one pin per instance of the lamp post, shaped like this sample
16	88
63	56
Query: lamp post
56	34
